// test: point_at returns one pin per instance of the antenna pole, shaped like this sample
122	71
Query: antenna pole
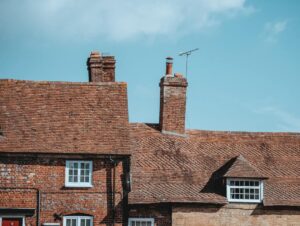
186	64
187	53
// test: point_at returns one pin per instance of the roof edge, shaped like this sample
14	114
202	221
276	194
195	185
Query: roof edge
61	82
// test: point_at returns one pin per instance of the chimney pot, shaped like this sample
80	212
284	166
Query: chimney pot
169	65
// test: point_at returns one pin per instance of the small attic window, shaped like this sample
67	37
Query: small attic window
244	190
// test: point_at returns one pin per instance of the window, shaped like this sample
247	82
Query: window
78	174
244	190
78	221
141	222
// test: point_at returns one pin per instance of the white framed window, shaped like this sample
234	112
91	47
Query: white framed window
141	222
244	190
78	221
78	173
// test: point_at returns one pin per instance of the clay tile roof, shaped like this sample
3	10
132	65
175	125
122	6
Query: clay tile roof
168	168
63	117
241	168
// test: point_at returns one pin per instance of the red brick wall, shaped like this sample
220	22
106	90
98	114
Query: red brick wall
161	213
21	175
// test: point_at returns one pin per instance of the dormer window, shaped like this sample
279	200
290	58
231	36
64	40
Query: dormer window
244	182
244	190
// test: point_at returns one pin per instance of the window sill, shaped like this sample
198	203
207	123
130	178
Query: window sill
78	186
245	201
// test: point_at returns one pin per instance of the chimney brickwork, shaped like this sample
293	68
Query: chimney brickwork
101	68
172	102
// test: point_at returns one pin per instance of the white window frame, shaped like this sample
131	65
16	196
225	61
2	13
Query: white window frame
260	187
130	220
77	218
51	224
78	184
13	216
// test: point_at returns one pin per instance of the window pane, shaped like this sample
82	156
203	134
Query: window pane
149	223
75	179
88	222
73	222
82	222
68	222
138	223
81	178
71	165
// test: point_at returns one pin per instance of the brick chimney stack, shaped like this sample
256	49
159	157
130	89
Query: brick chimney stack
101	68
172	101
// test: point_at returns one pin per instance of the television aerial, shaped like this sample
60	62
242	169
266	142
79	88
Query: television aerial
187	54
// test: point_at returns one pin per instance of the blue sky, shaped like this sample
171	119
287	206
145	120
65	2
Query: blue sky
245	76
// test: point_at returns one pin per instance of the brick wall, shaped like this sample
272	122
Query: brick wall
160	212
234	214
21	176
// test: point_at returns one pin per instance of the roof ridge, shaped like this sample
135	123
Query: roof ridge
38	82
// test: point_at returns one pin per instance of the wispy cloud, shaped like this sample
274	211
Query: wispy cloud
273	30
115	19
286	121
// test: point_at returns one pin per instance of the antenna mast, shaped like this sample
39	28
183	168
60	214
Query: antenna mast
187	53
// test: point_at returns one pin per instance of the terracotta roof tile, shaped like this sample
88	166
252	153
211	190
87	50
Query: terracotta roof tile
241	168
63	117
168	168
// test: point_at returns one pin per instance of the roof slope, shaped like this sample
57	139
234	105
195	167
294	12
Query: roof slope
241	168
63	117
168	168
